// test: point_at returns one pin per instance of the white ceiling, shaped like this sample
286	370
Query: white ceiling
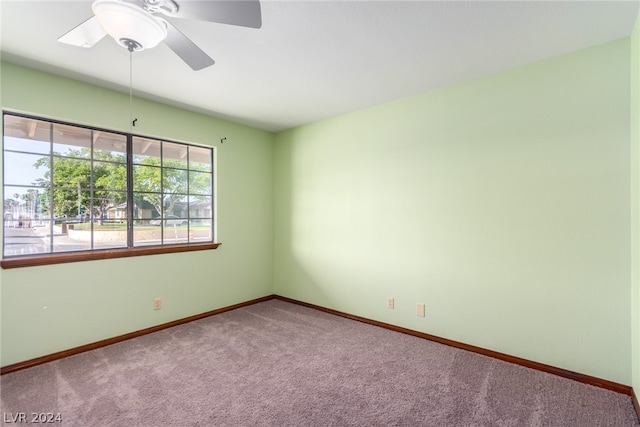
317	59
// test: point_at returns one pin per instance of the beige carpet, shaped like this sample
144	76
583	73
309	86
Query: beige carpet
280	364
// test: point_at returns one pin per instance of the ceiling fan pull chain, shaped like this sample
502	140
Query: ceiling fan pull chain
131	119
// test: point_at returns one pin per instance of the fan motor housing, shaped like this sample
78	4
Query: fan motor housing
129	25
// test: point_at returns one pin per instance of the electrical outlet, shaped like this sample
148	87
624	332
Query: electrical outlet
390	303
157	303
420	309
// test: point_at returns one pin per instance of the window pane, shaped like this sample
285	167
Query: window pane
146	206
110	176
175	234
201	223
175	204
71	237
147	179
109	206
200	209
108	234
22	204
25	134
199	183
22	240
109	146
174	181
27	145
71	173
200	159
71	141
71	204
174	155
144	148
200	233
26	169
145	234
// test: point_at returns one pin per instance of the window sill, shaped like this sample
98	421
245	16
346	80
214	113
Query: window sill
96	255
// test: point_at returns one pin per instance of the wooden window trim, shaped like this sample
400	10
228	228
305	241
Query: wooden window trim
106	254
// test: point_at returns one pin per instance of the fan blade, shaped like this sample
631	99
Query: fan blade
186	49
245	13
84	35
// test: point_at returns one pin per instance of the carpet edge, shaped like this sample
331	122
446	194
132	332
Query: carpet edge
636	403
576	376
583	378
103	343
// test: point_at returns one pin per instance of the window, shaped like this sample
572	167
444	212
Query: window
73	190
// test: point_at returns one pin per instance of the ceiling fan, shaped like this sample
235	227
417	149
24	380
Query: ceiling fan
142	24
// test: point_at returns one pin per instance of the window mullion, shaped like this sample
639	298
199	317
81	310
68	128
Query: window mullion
52	215
130	207
92	187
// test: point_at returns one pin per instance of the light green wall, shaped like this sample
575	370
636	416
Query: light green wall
635	200
89	301
502	204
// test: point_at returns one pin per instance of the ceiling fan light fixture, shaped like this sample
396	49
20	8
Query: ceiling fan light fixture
129	25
